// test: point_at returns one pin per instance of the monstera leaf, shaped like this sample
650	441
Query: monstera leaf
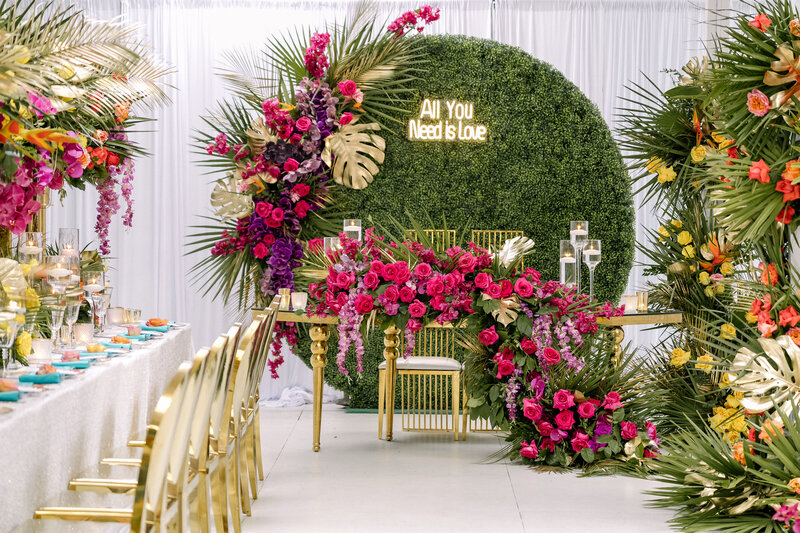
354	153
513	249
769	379
228	202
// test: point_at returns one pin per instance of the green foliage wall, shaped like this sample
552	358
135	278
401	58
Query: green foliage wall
549	158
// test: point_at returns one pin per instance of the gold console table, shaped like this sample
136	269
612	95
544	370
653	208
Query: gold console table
643	318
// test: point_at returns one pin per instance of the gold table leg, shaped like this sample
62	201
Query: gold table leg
391	340
319	358
619	336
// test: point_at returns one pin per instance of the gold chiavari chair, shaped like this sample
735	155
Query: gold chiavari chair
430	379
152	510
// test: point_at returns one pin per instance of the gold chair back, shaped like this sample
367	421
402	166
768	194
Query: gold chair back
441	239
218	425
215	372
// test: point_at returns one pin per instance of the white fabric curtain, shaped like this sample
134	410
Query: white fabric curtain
598	44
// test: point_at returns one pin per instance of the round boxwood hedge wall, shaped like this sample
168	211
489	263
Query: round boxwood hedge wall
549	158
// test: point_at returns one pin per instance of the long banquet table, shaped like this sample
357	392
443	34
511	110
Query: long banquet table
52	436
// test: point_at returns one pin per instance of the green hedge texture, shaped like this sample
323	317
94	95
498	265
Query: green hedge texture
549	158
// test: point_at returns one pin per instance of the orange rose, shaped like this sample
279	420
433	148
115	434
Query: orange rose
794	334
769	274
85	160
770	429
738	453
794	27
121	112
794	485
792	171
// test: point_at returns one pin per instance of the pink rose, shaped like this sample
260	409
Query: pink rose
586	410
364	304
291	165
531	409
563	399
413	325
435	286
303	123
347	87
528	346
758	103
505	368
544	428
493	290
377	267
506	355
467	262
482	280
402	273
371	280
260	250
274	171
417	309
391	293
523	287
611	401
263	209
345	119
423	270
548	444
301	209
389	272
629	430
407	294
565	420
506	289
528	450
275	217
341	299
301	190
579	441
488	336
551	356
344	280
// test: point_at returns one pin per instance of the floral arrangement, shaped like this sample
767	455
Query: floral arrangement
65	107
285	168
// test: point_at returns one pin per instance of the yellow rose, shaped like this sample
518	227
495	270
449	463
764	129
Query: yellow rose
679	357
698	153
684	238
724	381
727	332
722	141
738	423
23	344
726	269
719	288
663	231
704	278
750	317
688	251
710	292
654	164
794	485
732	436
716	423
677	223
702	366
666	174
732	402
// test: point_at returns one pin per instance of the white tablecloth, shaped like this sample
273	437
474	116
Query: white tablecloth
53	436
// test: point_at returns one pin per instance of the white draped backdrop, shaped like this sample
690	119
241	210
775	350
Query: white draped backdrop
600	45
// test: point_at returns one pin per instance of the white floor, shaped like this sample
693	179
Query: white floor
425	482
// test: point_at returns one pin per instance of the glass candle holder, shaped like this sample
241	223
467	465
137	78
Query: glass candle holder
69	242
352	228
29	252
567	262
629	301
578	235
331	244
299	301
286	298
591	258
641	301
84	333
59	273
116	315
42	349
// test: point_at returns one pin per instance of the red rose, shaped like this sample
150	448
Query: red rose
423	270
435	286
341	299
301	209
407	294
790	192
785	215
506	289
506	355
494	291
391	294
347	87
274	171
99	155
113	159
263	209
528	450
296	138
371	280
580	441
301	189
523	287
759	171
482	280
364	304
269	240
275	218
565	420
488	336
528	346
303	123
548	444
291	165
261	251
586	410
417	309
551	356
505	368
345	119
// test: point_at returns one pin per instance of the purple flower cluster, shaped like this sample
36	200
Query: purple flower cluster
512	390
324	104
125	169
107	206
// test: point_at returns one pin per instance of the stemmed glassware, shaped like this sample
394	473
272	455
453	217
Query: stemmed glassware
591	257
578	235
93	282
55	318
100	306
8	333
71	313
567	263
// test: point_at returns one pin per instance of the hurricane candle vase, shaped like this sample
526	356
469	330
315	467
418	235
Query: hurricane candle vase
591	257
29	252
69	242
567	263
578	235
352	228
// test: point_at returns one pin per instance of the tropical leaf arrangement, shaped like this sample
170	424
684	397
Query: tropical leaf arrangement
67	90
303	127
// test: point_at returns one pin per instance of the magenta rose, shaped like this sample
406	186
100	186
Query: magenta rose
551	356
377	267
565	420
523	287
612	401
371	280
435	286
345	119
275	218
364	304
531	409
493	290
345	280
402	274
263	209
482	280
543	427
347	87
506	289
586	410
528	450
301	190
260	250
291	165
407	294
488	336
563	399
580	441
652	432
391	293
629	430
301	209
528	346
549	445
505	368
423	270
413	325
303	123
467	262
417	309
389	272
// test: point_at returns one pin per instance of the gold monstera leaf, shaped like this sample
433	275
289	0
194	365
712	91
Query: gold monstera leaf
769	379
258	136
356	153
228	202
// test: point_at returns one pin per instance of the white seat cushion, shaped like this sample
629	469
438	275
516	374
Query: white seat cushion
424	363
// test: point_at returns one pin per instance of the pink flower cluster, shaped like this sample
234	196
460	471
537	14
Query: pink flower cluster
413	19
314	58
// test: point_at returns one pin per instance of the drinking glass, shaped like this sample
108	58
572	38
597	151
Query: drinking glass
8	333
69	242
591	257
579	235
71	317
101	301
567	262
55	318
352	228
29	252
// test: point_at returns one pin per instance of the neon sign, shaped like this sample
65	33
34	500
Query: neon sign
446	120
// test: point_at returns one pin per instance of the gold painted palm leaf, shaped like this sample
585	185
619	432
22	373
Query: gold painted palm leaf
228	202
769	379
354	154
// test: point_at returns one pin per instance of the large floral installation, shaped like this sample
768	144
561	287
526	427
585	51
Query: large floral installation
66	104
301	130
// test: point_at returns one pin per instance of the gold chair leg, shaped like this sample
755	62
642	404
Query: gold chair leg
114	461
103	486
84	514
464	415
241	475
257	442
136	444
219	494
456	398
250	451
381	400
234	488
199	505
